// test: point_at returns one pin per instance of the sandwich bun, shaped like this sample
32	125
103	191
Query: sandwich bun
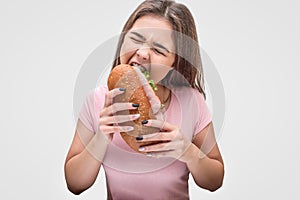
125	76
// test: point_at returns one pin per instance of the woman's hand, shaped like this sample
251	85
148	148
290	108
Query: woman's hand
108	122
172	142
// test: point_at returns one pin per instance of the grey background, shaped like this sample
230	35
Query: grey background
254	45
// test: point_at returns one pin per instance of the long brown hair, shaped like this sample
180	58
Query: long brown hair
187	59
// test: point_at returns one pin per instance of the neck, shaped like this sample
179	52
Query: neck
163	94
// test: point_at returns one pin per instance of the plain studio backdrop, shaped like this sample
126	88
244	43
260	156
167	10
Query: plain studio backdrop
253	44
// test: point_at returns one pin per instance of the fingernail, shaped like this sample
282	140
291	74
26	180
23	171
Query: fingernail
149	154
142	149
139	138
135	116
135	105
122	89
130	128
144	122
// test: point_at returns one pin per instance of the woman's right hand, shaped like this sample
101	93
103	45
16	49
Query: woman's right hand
108	122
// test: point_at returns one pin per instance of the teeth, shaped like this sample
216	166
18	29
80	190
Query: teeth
138	66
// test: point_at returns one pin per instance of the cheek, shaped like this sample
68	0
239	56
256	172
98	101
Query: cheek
159	72
160	69
128	49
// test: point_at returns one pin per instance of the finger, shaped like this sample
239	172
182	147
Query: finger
153	99
163	146
161	136
114	129
160	116
116	107
163	125
161	154
111	94
117	119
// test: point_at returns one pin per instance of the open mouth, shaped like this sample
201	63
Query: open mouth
146	74
141	67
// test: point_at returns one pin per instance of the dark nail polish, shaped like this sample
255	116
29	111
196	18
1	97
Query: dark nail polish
144	122
122	89
139	138
135	105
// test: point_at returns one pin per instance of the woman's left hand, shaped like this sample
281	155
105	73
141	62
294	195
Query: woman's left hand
172	142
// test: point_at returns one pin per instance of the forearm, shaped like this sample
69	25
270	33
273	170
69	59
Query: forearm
82	169
207	172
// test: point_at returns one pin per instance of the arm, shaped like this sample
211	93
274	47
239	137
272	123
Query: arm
87	150
204	160
81	166
205	165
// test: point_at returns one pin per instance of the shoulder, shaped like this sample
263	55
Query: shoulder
97	94
192	100
95	98
189	93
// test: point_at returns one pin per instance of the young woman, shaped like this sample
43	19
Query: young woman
159	36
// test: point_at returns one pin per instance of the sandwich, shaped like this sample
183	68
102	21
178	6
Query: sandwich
136	81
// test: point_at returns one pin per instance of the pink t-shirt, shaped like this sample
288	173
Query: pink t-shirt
131	175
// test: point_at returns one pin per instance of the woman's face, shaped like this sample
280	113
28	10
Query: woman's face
149	44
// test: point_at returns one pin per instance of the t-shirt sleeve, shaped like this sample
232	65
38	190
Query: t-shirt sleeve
87	112
204	115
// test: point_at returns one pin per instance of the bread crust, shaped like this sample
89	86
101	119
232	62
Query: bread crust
124	76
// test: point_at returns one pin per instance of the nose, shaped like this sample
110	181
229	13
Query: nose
143	53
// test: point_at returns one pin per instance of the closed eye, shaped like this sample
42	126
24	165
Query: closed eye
158	51
160	48
136	40
136	37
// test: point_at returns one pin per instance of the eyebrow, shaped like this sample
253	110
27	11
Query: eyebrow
160	46
154	43
138	35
